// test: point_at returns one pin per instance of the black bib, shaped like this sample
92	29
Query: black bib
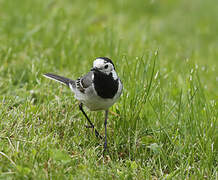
105	85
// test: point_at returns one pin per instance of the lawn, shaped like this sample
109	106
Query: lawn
165	124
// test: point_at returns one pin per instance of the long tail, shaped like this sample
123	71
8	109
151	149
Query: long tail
60	79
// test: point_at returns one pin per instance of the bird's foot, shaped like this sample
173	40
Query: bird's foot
89	126
105	147
97	134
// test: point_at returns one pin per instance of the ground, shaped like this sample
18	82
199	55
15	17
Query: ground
164	125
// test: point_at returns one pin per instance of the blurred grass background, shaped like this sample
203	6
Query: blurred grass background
165	122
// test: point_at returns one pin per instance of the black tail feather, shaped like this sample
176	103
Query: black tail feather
60	79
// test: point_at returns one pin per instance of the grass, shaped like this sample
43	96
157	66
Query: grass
165	124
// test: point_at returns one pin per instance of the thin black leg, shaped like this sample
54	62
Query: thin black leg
105	126
91	125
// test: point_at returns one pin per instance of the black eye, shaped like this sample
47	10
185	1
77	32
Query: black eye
106	66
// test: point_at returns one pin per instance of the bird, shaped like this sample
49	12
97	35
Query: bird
98	90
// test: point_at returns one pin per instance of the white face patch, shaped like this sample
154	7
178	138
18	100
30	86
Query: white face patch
103	66
114	75
98	63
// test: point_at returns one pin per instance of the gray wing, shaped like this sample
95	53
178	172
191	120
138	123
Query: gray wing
86	80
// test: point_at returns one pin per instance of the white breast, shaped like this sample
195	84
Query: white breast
95	102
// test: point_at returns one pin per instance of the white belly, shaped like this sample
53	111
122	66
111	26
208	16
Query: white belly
95	102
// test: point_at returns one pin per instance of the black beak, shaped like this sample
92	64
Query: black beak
95	69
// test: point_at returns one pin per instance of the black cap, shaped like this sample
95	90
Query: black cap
106	60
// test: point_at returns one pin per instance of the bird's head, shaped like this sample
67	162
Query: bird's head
104	65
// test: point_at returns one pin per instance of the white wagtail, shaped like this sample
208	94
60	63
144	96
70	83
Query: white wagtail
99	89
